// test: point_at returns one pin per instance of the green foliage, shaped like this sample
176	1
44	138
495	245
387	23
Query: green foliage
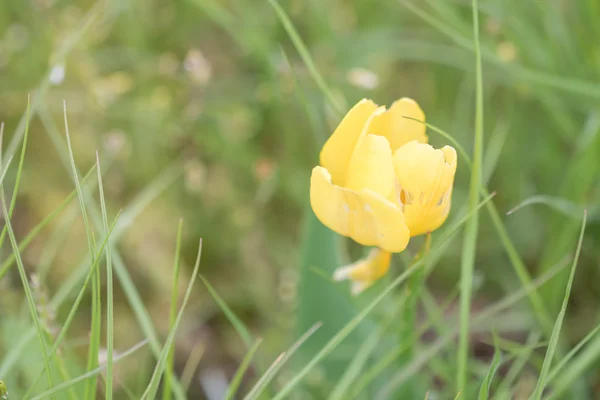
213	113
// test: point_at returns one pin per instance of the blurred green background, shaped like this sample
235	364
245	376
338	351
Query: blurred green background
206	108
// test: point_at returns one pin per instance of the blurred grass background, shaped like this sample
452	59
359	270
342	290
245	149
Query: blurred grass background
207	106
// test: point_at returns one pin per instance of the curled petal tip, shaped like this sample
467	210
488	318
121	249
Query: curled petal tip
342	273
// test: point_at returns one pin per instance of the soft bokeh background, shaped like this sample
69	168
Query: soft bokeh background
206	108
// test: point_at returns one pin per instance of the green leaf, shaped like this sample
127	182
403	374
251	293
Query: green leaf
152	388
470	240
542	380
75	304
562	205
352	325
109	290
173	313
279	362
15	248
6	264
90	388
237	323
323	301
239	374
484	391
365	351
65	385
337	103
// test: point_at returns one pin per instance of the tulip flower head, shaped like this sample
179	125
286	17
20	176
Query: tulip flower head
380	183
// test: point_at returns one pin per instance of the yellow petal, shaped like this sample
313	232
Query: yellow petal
365	272
397	129
425	176
364	216
338	149
371	166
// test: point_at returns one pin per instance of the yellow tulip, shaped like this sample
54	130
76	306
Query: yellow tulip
425	177
367	118
365	178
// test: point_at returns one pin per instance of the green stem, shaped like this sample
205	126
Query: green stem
470	241
168	378
412	293
409	336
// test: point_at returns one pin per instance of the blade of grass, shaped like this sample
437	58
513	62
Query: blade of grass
13	354
173	314
6	264
517	366
350	326
363	354
74	308
4	171
542	380
493	151
109	289
537	303
64	293
142	315
480	319
64	226
90	388
319	135
564	206
435	320
484	391
138	204
2	139
152	388
191	364
435	312
13	200
322	251
65	385
15	247
337	103
569	356
575	369
237	324
516	347
128	392
131	212
239	374
343	333
408	316
470	238
146	196
28	294
279	362
538	77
